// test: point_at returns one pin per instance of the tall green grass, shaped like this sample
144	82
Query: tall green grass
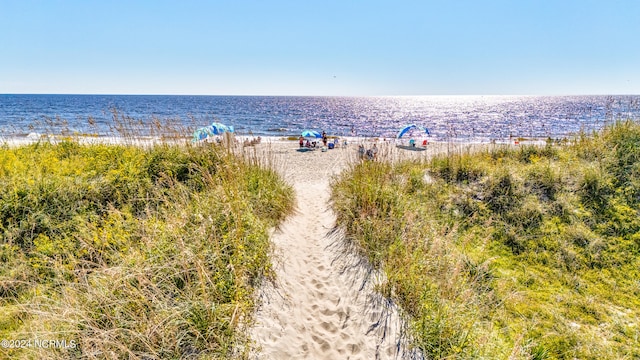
528	252
133	252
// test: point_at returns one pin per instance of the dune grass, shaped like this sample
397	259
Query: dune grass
133	252
529	252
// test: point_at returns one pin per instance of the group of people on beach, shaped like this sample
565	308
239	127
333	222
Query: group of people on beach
325	141
363	153
368	154
307	144
252	142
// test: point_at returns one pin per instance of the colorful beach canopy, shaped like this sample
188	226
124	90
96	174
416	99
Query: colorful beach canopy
218	128
311	134
211	130
410	128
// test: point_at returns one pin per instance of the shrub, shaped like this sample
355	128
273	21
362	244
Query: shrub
509	253
595	189
134	252
459	168
501	192
543	181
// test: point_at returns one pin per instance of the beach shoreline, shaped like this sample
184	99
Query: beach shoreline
240	139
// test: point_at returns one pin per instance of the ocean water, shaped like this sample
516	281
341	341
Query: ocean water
464	118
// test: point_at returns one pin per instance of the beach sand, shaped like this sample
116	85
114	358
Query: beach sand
322	304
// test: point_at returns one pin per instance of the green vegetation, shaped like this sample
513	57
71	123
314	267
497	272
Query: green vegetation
528	252
132	252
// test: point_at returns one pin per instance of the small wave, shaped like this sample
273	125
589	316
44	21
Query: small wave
34	135
278	129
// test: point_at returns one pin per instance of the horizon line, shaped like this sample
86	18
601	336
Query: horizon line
345	96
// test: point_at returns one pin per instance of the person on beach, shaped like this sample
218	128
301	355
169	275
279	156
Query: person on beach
308	144
256	141
369	154
324	138
301	140
361	151
374	151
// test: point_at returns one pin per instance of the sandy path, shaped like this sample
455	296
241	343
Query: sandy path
320	306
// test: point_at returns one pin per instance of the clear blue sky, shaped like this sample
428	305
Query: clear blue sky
327	47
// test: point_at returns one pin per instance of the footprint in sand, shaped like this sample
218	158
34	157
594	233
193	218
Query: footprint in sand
320	295
317	284
327	312
354	348
331	328
324	345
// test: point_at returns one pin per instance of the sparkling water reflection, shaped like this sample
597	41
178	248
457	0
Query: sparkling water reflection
464	118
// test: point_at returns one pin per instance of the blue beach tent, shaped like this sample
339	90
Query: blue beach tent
410	128
218	128
311	134
211	130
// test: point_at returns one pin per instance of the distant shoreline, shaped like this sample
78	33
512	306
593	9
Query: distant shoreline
463	118
155	140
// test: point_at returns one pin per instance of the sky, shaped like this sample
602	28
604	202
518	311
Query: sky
323	48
